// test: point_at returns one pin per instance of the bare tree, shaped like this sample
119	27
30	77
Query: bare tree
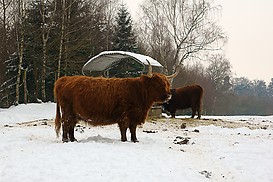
154	37
219	72
63	13
47	22
20	43
189	25
109	8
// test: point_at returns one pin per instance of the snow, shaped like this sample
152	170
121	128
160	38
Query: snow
27	112
219	148
140	57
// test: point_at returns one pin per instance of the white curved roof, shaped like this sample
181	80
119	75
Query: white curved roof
106	58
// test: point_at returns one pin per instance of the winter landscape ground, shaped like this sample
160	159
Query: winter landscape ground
215	148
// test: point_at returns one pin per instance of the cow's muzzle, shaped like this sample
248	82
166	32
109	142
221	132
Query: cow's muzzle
167	97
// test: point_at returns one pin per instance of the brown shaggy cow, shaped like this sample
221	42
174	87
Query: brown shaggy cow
185	97
104	101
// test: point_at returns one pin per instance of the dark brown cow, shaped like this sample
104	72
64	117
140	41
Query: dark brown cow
185	97
104	101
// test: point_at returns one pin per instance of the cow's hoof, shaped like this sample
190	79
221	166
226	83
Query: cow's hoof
65	140
74	140
135	141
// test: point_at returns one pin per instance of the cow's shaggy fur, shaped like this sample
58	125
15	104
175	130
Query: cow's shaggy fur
104	101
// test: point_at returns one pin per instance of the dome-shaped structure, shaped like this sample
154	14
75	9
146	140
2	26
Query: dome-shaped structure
120	64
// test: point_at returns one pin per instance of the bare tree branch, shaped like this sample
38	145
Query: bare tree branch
186	23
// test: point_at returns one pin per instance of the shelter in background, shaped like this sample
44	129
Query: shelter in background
120	64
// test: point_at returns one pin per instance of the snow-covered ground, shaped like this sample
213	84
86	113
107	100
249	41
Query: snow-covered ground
218	148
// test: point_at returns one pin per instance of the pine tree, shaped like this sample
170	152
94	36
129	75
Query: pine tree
8	87
124	38
270	89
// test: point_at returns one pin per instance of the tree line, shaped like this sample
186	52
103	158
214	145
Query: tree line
225	94
41	41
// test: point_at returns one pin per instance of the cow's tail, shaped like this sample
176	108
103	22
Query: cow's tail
58	119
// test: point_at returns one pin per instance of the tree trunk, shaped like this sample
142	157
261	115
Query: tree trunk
4	55
46	28
43	86
61	40
20	38
44	39
35	74
25	85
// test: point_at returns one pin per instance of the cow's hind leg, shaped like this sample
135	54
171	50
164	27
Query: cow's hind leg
199	113
68	129
133	133
65	127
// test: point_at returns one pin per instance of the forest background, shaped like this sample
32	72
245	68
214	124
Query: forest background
41	41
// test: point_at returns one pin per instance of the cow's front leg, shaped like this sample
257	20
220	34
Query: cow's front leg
71	134
172	111
123	130
133	133
193	112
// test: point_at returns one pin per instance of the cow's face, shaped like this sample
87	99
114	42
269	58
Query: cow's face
164	90
166	106
159	87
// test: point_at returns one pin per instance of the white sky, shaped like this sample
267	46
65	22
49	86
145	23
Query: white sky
249	26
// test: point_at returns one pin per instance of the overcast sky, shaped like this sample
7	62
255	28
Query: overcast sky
249	26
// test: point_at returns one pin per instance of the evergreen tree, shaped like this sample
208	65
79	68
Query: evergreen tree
270	89
124	38
8	87
33	50
243	86
260	89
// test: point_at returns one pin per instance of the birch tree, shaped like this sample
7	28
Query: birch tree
20	44
63	12
47	22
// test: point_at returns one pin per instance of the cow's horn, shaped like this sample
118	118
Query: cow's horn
150	69
175	74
